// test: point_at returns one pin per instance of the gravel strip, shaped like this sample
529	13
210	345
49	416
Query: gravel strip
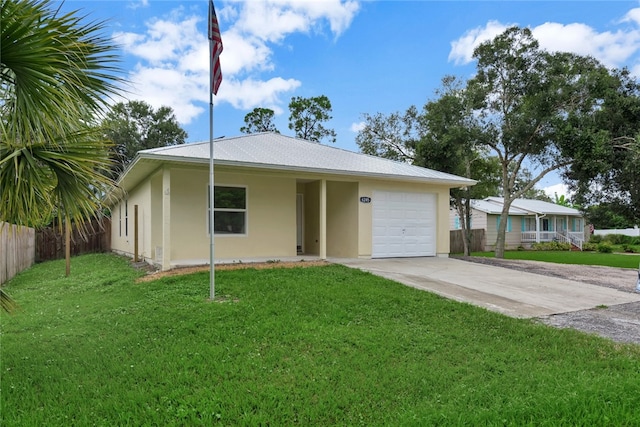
620	323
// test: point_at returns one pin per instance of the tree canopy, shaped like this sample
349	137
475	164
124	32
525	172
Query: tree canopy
307	118
531	111
52	154
259	120
56	73
135	126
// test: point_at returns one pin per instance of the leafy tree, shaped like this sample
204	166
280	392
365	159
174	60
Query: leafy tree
259	120
610	178
538	108
135	126
307	118
450	144
605	216
562	200
393	137
521	184
55	73
443	136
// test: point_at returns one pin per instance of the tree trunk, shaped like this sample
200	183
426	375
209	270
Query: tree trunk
459	205
67	244
467	222
502	229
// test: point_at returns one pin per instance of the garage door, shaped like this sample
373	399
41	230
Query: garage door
404	224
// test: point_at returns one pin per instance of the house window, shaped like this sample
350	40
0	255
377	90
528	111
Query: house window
508	223
229	210
576	224
563	224
126	217
546	225
120	220
528	224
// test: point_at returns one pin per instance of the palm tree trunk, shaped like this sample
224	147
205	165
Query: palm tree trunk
67	246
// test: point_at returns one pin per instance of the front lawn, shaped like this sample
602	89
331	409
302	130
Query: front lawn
572	257
309	346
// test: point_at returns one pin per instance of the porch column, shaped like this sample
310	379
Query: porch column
166	219
537	229
323	219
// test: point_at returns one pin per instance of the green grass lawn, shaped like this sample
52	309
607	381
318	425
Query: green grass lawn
309	346
572	257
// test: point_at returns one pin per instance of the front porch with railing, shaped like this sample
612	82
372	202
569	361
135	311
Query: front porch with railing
572	237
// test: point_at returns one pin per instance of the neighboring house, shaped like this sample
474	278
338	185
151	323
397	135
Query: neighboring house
276	197
528	222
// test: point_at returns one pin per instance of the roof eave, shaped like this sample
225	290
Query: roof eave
197	160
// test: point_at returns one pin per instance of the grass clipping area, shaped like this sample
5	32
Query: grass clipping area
225	267
325	345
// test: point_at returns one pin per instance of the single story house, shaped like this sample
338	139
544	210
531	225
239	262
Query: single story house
528	222
276	197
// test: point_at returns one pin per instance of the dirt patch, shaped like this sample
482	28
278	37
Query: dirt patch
154	275
621	323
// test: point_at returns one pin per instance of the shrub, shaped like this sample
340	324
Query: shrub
617	239
628	248
635	241
605	248
595	238
551	246
589	246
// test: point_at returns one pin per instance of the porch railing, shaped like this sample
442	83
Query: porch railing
574	238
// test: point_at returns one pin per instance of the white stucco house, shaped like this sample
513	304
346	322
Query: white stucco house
528	222
276	197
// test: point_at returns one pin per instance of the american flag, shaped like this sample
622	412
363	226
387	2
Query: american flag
215	45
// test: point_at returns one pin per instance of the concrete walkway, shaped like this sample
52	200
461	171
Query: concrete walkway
511	292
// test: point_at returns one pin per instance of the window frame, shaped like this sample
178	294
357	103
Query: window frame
244	211
509	228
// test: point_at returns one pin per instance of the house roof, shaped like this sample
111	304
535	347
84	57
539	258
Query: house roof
280	152
493	205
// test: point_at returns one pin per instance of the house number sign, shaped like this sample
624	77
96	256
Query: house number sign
365	199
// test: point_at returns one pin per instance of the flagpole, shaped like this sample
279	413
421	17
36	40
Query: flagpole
212	280
212	276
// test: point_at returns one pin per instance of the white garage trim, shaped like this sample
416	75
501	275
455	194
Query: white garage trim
404	224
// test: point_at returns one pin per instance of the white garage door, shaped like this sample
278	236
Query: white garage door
404	224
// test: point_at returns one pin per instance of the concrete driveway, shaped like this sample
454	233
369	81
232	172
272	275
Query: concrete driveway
511	292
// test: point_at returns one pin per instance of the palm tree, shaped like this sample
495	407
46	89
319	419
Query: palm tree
56	75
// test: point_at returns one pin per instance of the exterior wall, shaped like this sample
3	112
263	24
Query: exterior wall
270	220
478	219
512	238
123	226
177	195
342	219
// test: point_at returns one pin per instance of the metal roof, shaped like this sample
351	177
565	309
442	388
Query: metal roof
276	151
493	205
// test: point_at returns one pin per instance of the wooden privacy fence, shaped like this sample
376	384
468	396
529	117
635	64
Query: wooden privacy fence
477	241
50	241
17	250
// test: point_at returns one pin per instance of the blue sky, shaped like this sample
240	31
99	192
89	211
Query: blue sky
365	56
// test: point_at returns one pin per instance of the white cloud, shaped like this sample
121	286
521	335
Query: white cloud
172	53
559	189
249	93
357	127
273	20
612	48
462	49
